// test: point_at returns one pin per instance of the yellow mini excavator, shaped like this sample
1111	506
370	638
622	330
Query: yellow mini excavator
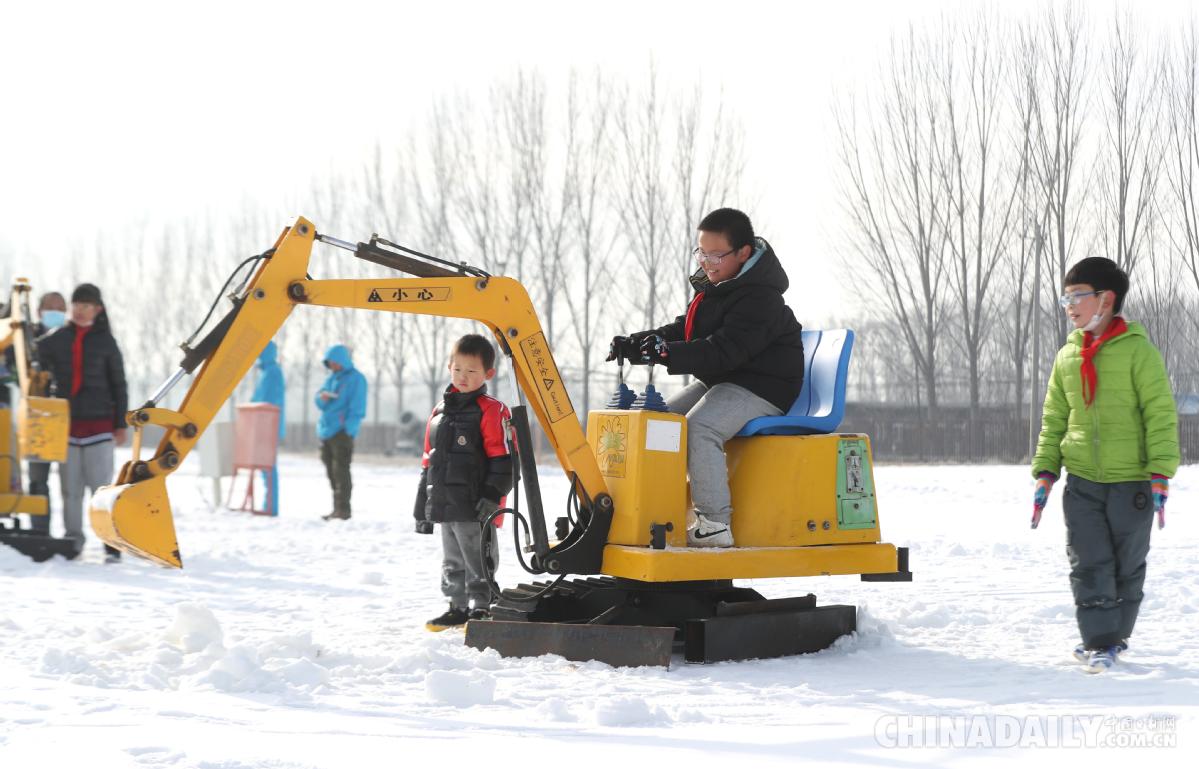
805	504
42	424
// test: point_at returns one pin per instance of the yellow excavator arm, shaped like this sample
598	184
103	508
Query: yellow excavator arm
134	514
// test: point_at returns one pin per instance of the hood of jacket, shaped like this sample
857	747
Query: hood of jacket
761	269
269	356
339	354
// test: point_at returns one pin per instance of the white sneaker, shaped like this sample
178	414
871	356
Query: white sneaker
708	533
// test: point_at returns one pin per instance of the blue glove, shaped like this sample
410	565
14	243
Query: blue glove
1040	496
1161	491
654	350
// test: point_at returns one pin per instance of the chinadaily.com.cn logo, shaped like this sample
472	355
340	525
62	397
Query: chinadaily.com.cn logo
1057	731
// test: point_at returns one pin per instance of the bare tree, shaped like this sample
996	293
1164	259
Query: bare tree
708	162
1060	113
979	199
894	199
589	143
642	196
1132	91
1182	168
523	107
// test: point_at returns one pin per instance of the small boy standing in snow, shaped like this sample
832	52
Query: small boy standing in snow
467	470
1110	418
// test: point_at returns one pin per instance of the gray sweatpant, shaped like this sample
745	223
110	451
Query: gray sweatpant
713	416
463	580
86	466
1107	541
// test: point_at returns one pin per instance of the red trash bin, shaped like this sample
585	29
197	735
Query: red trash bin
255	445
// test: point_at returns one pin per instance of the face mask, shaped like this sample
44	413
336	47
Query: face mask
53	318
1095	320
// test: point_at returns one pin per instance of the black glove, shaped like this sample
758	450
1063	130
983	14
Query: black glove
654	350
424	527
484	508
623	347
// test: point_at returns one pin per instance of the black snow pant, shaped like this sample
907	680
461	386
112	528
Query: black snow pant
39	486
1107	541
336	453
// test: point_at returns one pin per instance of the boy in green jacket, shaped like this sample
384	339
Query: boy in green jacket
1110	418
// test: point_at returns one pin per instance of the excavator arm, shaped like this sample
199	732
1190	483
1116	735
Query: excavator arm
134	514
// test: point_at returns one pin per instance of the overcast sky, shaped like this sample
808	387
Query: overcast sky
120	112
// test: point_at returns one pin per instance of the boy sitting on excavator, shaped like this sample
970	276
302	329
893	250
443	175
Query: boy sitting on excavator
467	470
743	346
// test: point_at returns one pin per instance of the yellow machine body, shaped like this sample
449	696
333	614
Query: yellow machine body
11	499
802	505
643	458
42	426
41	423
802	490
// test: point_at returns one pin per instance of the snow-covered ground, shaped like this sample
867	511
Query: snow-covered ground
292	642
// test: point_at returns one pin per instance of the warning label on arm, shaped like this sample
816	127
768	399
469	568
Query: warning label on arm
552	392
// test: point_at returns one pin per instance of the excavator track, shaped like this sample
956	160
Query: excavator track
629	623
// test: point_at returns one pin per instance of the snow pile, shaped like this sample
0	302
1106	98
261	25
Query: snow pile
195	628
629	710
461	690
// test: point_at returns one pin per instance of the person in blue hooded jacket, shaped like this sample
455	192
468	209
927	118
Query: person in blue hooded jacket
271	389
342	403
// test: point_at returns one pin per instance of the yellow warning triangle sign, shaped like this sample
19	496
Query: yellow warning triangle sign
374	297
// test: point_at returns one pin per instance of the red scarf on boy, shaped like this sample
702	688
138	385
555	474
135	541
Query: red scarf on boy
1090	348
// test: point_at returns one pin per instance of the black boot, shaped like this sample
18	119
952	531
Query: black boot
451	618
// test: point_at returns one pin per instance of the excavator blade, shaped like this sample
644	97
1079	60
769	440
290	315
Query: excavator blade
136	518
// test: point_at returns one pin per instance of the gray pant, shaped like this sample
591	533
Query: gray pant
463	580
1107	541
713	416
86	466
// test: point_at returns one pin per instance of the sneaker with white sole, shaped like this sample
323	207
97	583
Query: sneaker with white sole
1083	654
708	533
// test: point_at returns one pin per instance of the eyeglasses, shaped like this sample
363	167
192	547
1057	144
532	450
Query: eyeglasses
701	256
1071	299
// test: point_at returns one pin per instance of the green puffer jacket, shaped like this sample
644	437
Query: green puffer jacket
1130	430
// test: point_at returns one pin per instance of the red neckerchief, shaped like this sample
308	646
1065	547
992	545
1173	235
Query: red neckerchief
691	316
1090	347
77	359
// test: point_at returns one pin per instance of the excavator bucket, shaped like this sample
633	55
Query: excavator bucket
136	518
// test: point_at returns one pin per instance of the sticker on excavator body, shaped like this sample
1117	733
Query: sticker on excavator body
613	445
422	294
553	395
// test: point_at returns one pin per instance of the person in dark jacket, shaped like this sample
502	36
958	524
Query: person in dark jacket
741	343
467	470
342	403
86	365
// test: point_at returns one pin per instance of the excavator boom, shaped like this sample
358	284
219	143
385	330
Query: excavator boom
134	514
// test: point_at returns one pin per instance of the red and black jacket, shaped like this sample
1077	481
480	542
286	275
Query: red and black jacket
466	457
88	369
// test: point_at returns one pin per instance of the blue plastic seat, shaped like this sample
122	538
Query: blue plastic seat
820	406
